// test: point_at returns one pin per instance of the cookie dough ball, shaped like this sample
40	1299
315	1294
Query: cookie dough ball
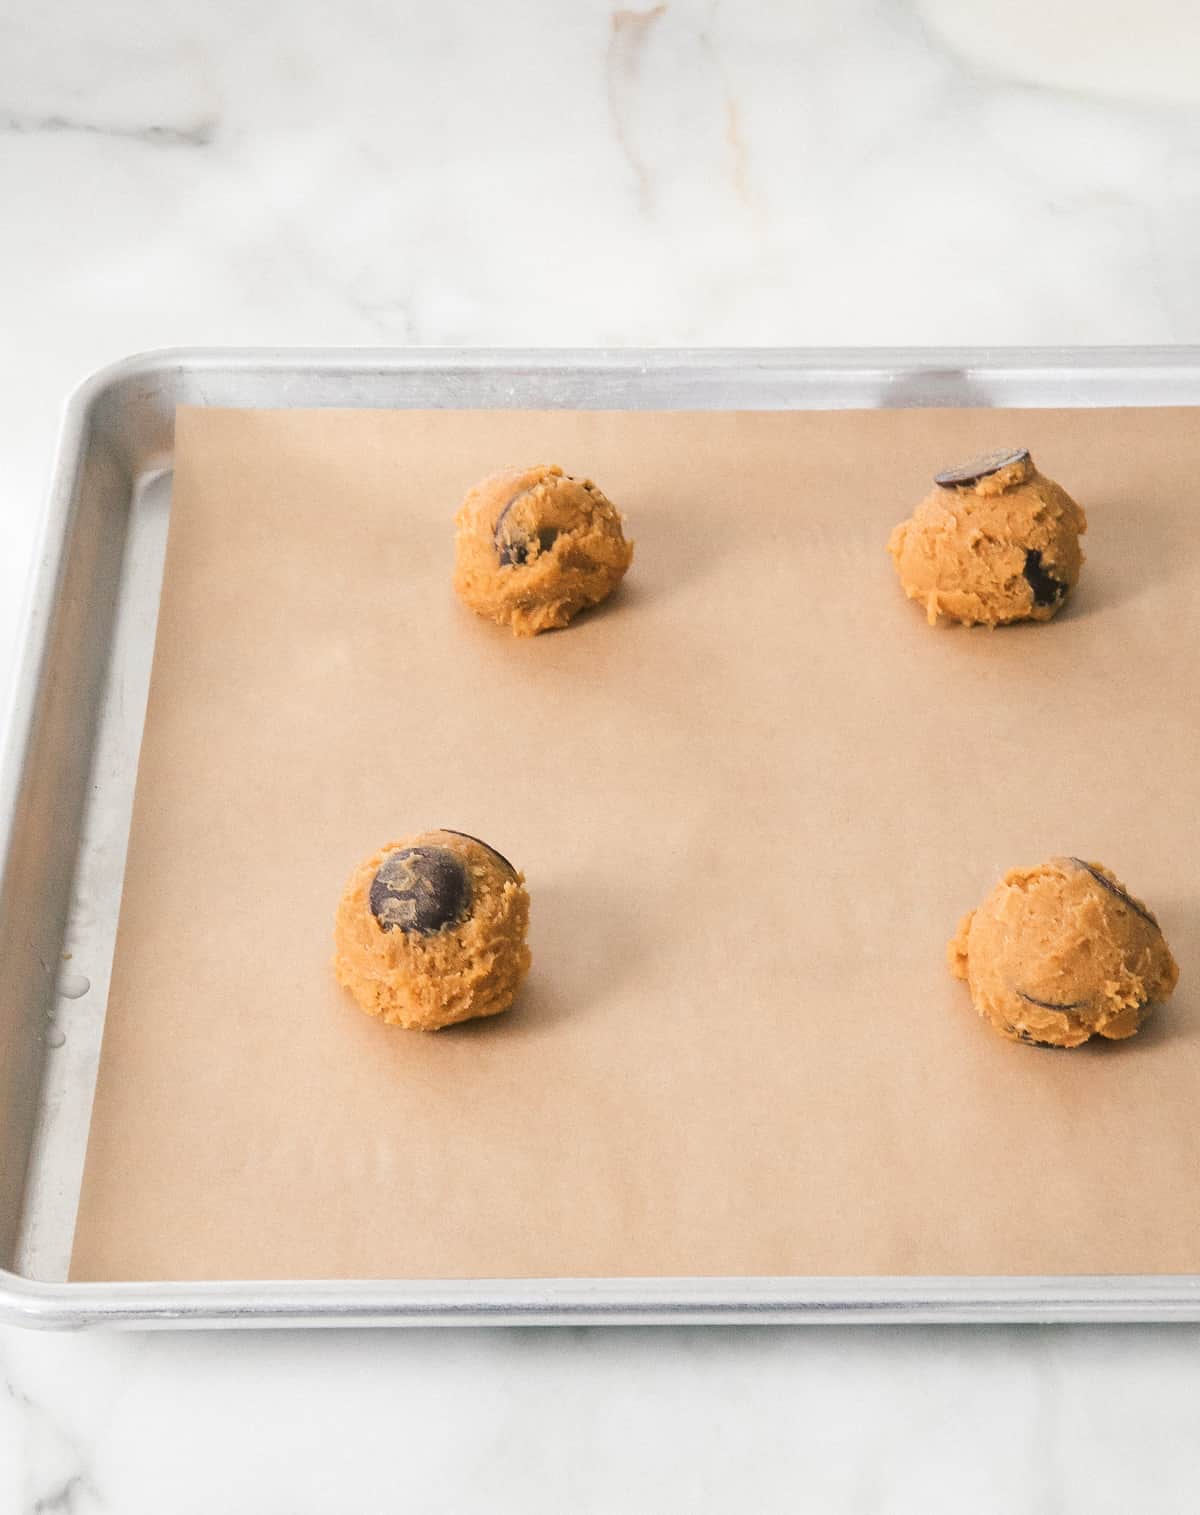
994	542
1062	952
535	547
431	930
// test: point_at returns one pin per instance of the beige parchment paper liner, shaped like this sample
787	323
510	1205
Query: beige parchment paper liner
752	797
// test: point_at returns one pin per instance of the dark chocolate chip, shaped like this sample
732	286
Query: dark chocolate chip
512	542
511	546
503	516
1047	590
1049	1004
514	547
451	832
420	889
1033	1041
980	468
1118	891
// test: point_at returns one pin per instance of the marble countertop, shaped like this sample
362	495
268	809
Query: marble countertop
532	172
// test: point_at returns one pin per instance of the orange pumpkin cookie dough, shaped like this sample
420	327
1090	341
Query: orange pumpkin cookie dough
1062	952
431	930
994	542
534	547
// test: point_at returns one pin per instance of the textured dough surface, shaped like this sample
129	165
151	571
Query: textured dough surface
992	551
1062	952
469	968
534	547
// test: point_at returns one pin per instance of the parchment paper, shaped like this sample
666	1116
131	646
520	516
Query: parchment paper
752	796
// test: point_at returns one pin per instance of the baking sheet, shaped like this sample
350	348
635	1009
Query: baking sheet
751	796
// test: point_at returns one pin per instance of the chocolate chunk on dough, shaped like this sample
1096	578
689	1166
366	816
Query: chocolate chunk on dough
981	468
1063	952
489	847
431	930
421	889
534	547
995	541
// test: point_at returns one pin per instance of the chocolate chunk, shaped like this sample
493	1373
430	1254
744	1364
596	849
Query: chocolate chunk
514	546
1049	1004
420	889
512	541
1047	590
1112	888
980	468
450	831
1033	1041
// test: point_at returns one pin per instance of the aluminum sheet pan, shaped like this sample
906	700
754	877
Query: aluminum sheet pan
70	763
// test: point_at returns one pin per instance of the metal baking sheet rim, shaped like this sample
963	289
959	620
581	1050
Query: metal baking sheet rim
632	1301
724	378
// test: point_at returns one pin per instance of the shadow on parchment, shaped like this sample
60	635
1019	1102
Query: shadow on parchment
1130	556
1169	1024
674	550
587	943
1175	1021
675	547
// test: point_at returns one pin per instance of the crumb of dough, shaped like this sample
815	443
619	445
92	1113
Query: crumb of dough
1063	952
533	547
995	541
430	930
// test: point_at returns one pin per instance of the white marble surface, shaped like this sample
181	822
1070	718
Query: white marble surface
561	172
